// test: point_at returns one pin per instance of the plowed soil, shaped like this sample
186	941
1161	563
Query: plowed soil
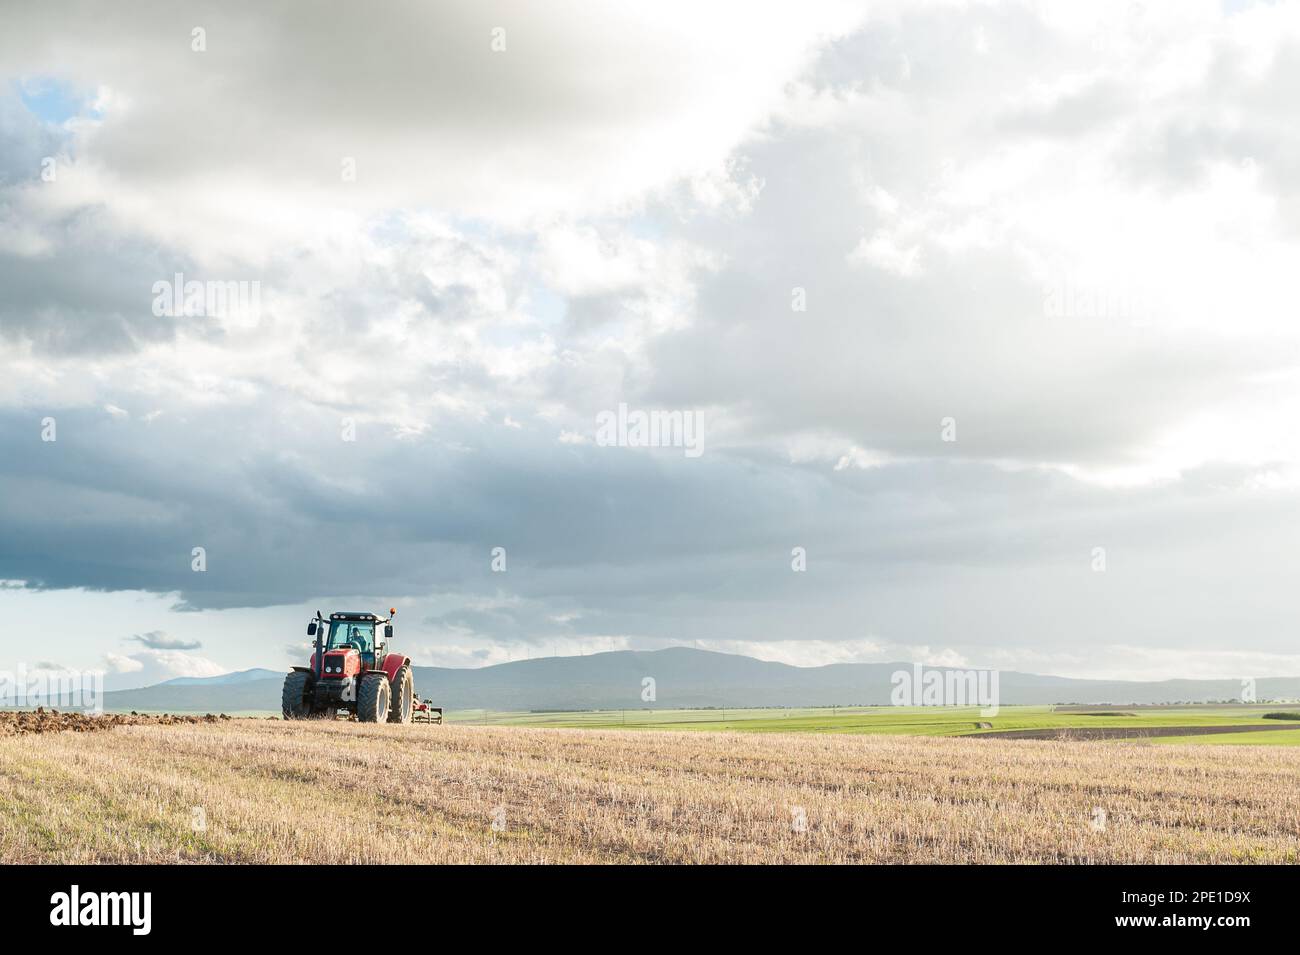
41	720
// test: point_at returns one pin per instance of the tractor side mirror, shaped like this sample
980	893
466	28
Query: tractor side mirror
311	629
388	631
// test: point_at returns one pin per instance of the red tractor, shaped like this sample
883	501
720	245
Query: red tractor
353	670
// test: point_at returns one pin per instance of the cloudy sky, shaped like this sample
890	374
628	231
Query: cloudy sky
990	308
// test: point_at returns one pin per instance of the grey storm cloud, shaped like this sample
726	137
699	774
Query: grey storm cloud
24	142
576	107
82	300
157	640
642	543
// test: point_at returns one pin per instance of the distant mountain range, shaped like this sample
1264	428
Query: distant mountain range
225	679
682	677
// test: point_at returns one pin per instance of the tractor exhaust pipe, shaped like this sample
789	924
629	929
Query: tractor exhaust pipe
320	649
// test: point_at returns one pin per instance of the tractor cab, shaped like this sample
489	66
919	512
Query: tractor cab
353	635
350	645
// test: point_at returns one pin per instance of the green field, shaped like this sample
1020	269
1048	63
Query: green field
916	721
1263	738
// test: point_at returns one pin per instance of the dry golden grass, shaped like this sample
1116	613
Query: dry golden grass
341	792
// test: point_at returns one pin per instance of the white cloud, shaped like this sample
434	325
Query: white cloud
884	251
146	667
120	663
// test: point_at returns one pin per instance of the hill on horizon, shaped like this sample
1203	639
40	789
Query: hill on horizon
682	677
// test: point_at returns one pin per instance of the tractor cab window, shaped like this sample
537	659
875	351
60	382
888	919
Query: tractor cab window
360	635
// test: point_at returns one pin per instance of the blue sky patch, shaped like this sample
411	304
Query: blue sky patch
55	101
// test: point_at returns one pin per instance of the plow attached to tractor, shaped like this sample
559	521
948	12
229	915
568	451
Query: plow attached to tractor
353	671
426	712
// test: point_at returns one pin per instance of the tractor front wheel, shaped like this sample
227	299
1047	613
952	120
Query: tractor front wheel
374	698
294	703
403	696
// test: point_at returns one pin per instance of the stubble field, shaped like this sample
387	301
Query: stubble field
256	791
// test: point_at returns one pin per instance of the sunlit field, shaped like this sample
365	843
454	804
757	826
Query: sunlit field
918	721
270	791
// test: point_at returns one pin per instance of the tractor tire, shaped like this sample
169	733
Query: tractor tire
374	698
294	703
403	696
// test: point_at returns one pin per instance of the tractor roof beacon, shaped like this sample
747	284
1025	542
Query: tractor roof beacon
352	670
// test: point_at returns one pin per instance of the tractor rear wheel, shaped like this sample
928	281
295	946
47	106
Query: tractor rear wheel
294	703
403	696
374	698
